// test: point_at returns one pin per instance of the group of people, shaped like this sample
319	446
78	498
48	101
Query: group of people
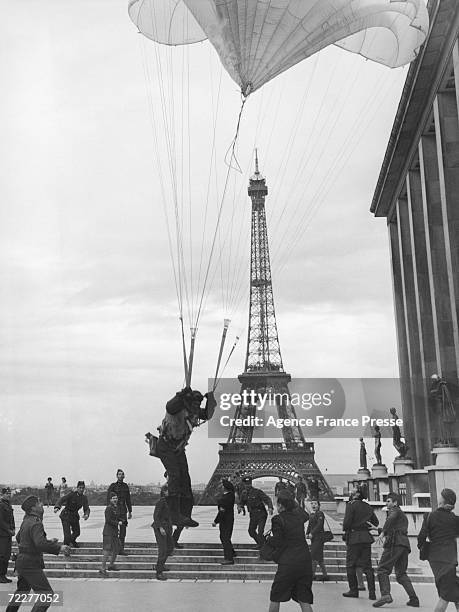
300	490
297	561
51	490
32	540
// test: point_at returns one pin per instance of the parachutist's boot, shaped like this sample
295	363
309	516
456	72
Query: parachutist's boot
176	518
186	508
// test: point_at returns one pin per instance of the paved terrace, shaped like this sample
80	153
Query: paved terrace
99	595
139	529
115	595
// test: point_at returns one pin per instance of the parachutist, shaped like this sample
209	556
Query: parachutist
183	414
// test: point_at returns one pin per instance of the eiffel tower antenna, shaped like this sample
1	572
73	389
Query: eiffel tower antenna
264	373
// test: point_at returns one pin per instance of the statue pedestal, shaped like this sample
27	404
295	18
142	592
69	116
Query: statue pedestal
379	470
402	466
446	456
363	474
445	472
441	477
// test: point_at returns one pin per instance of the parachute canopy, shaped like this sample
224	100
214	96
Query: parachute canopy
257	40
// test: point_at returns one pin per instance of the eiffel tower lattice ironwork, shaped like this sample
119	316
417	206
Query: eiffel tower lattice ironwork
264	373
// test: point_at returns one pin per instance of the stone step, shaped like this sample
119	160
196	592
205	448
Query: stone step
199	566
340	546
177	558
224	574
195	561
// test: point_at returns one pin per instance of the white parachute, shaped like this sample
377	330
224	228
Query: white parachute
256	40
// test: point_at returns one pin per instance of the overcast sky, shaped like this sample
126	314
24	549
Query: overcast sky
89	331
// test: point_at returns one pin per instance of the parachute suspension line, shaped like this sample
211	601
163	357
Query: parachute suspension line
226	363
293	134
220	209
303	169
313	132
230	254
244	227
190	360
226	323
185	360
172	170
215	107
234	276
148	88
190	217
358	128
167	101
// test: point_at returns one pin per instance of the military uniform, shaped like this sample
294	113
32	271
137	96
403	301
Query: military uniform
359	540
70	517
300	493
395	553
7	528
225	521
314	489
29	564
124	506
162	518
256	503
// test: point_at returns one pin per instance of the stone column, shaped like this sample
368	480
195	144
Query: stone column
437	256
447	141
423	309
402	336
415	341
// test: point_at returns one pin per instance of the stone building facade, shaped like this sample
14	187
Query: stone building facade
418	193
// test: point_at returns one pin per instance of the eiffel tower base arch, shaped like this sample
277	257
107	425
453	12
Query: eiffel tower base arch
265	459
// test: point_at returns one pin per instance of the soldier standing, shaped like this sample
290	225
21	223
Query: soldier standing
395	554
239	493
257	500
358	518
300	492
7	530
225	520
69	516
314	489
183	414
280	486
121	489
110	536
32	544
162	526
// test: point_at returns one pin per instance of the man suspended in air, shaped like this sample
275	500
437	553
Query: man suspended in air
183	414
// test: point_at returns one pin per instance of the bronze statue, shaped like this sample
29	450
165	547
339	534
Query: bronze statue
400	445
363	455
377	438
444	408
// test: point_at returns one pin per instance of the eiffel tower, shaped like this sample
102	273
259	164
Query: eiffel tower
264	373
